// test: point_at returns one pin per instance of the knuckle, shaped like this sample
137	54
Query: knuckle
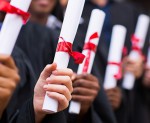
64	89
12	85
17	78
70	71
80	83
70	97
68	79
63	99
8	58
7	93
71	89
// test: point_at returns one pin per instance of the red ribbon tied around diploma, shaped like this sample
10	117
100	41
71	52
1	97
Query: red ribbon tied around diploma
90	47
67	47
117	76
6	7
135	41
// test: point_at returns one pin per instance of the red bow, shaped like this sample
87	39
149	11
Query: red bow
135	46
67	47
117	76
135	42
90	47
6	7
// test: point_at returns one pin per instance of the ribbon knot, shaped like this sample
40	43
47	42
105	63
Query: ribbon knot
118	75
6	7
67	47
90	47
135	45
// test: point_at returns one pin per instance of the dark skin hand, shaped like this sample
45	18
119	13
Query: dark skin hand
114	96
146	78
9	79
85	90
134	66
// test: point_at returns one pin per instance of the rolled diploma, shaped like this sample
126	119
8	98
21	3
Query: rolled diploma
68	32
95	25
115	55
11	27
140	33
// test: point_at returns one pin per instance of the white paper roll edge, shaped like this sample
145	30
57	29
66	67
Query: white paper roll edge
74	107
95	25
129	80
50	104
68	31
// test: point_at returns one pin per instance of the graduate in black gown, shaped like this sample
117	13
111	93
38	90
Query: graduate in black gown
23	102
138	97
20	103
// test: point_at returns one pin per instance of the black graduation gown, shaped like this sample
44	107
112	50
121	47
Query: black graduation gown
36	42
139	103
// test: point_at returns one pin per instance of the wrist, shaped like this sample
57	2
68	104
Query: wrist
39	114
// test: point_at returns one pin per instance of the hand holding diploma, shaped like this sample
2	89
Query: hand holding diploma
138	40
64	47
113	70
59	87
9	79
89	50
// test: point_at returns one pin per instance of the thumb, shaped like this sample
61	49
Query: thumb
48	71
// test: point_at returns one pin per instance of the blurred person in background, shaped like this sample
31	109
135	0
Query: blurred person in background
144	4
139	100
47	12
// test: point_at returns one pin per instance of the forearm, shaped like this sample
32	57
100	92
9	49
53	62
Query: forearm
39	117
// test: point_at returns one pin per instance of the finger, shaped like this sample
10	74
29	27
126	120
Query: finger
86	84
8	61
130	61
7	83
61	89
84	91
5	93
62	100
48	71
61	80
82	99
9	73
129	69
63	72
113	95
113	99
87	77
73	77
109	90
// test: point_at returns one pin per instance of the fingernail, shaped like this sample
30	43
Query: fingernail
45	87
54	72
